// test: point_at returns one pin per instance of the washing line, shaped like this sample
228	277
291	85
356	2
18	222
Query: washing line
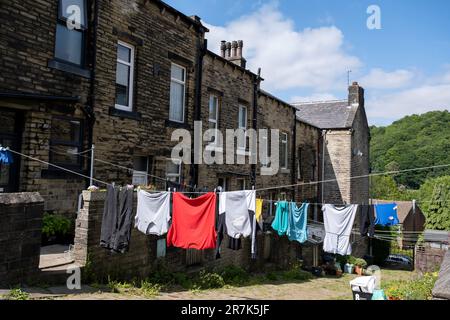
257	190
58	167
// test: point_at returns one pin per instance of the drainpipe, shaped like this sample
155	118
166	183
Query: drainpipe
202	48
324	141
90	115
256	84
294	155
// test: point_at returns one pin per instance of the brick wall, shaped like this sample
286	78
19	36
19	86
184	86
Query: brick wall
20	236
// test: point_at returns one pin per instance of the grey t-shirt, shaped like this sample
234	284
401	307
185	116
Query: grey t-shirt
153	212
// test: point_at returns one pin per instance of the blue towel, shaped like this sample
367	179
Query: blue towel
281	221
386	214
297	230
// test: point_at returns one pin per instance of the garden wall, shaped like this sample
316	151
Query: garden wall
20	236
428	258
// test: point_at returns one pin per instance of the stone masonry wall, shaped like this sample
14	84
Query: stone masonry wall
27	50
233	86
20	236
159	38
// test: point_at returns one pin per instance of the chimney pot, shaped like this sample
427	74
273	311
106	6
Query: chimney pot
234	45
355	83
223	47
240	45
228	52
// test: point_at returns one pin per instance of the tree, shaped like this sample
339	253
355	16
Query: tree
435	203
384	188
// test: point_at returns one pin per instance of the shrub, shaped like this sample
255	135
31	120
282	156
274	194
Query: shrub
234	275
209	280
55	225
271	276
360	263
419	289
17	294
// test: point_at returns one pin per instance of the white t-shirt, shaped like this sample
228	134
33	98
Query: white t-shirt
338	222
153	212
236	205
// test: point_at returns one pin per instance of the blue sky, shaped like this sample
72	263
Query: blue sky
305	47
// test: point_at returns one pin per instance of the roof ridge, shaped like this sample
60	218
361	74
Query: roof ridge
318	101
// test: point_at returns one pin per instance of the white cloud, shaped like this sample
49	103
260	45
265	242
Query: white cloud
380	79
417	100
289	58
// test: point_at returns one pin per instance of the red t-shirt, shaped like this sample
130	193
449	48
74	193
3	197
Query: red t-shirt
193	222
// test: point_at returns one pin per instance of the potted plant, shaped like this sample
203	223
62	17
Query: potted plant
360	264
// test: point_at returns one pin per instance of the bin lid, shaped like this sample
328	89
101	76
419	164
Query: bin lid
367	283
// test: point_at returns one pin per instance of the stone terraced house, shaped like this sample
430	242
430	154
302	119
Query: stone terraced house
133	73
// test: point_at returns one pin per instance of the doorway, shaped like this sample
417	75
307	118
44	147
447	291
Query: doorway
10	136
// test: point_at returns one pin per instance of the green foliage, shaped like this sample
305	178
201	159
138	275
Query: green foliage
234	275
143	288
53	225
414	141
419	289
17	294
209	280
360	263
272	276
434	197
296	273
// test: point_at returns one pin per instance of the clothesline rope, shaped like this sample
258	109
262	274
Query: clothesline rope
257	190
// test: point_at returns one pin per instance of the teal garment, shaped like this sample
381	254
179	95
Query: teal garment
297	227
281	221
378	294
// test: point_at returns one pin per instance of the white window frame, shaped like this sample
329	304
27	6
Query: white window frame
184	91
284	148
244	127
176	175
131	80
216	119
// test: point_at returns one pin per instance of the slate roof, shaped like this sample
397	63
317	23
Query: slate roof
327	114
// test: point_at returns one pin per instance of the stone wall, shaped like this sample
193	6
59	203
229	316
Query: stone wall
233	86
27	67
441	290
160	37
20	236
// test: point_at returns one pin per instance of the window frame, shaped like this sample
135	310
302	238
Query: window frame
244	127
141	173
61	20
130	64
170	175
183	83
56	142
216	120
265	161
244	183
284	144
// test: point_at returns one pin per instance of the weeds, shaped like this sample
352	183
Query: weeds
17	294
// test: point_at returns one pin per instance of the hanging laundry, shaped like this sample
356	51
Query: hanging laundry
193	222
236	211
338	221
297	226
386	214
6	156
153	212
281	221
367	220
258	212
117	219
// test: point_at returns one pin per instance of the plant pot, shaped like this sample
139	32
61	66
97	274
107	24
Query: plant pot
348	268
358	270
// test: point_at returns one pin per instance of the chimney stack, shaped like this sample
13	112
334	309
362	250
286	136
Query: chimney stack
232	51
356	95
